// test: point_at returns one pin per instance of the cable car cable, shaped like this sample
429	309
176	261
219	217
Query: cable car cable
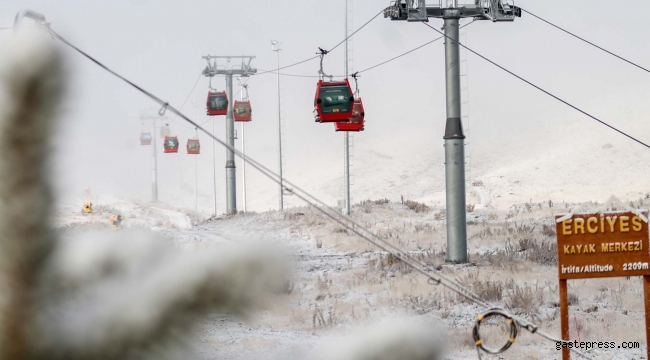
257	165
383	244
188	96
284	67
587	41
283	74
410	51
192	127
357	30
547	92
317	56
374	66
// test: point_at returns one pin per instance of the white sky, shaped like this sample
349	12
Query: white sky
159	44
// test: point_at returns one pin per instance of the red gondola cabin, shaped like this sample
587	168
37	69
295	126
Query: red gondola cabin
217	103
242	110
145	138
193	146
170	145
356	122
333	101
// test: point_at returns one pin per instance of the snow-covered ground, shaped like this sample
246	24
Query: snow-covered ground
340	281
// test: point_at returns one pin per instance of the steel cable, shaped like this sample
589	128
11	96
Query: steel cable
374	66
317	56
587	41
334	215
188	96
528	326
357	30
416	264
410	51
288	66
545	91
234	96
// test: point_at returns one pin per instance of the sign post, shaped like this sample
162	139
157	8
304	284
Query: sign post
609	244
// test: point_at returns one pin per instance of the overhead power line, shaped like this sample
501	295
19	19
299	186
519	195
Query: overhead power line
545	91
587	41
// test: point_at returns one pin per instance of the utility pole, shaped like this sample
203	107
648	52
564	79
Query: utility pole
244	70
451	12
275	46
154	159
346	134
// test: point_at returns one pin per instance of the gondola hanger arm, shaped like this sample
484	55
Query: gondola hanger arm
356	83
321	74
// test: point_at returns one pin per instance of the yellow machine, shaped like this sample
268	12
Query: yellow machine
116	221
88	207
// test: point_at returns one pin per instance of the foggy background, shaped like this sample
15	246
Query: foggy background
514	128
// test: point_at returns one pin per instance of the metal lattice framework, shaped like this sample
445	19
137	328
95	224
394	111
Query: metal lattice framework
417	10
215	68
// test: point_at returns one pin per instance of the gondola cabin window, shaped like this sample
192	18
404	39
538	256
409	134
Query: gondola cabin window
333	101
145	139
242	111
193	146
171	144
217	103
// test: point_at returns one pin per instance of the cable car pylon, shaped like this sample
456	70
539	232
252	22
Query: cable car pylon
494	10
154	150
244	69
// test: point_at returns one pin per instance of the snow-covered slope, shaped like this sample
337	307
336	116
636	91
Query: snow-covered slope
572	159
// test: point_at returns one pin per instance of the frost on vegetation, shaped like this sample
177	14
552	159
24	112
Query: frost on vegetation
124	295
94	295
113	294
418	207
389	340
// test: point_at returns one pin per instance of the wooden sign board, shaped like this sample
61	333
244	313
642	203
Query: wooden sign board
602	245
